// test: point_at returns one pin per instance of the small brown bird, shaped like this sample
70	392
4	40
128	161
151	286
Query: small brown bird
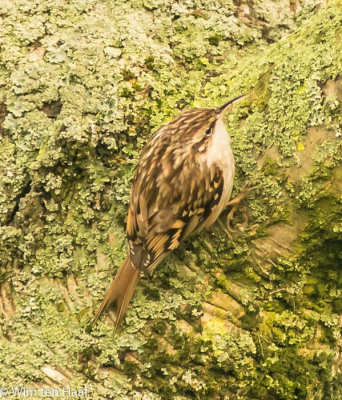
182	183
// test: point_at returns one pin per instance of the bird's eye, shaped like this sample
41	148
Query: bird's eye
208	131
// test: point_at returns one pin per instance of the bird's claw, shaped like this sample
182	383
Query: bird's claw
234	203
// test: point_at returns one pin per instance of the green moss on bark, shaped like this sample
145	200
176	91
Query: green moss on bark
83	84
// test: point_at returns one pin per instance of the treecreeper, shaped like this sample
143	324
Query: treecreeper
182	183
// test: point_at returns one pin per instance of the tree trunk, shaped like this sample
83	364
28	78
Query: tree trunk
249	313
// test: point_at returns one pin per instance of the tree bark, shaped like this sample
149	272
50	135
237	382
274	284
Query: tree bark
253	313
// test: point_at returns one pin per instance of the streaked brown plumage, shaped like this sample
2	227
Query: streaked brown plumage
182	183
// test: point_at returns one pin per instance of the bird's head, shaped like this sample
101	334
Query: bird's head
196	127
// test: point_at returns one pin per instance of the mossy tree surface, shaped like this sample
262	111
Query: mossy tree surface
254	316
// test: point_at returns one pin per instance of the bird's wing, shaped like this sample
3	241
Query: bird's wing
167	207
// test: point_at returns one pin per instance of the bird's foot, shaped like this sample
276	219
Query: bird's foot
235	204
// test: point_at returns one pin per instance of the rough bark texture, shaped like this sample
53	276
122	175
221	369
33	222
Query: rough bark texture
83	83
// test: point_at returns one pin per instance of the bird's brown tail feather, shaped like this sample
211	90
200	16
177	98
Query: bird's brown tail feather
120	292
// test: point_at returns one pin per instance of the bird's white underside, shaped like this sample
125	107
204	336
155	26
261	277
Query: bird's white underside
220	153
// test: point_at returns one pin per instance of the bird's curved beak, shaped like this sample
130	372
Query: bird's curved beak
221	110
